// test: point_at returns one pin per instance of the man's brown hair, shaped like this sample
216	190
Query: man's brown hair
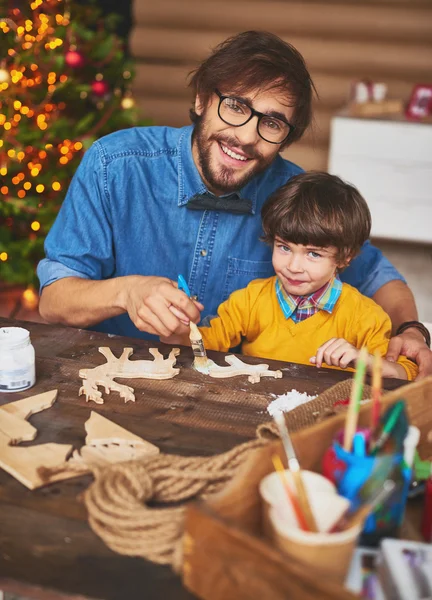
257	60
318	209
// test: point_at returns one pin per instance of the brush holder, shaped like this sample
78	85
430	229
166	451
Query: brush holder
349	472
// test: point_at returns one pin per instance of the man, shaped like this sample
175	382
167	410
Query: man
149	203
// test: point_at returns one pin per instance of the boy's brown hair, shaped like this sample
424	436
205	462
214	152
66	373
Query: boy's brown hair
257	60
318	209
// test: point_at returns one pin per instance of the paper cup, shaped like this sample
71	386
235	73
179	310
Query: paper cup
325	510
327	553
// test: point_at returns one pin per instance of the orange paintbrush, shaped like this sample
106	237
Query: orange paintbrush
294	467
291	496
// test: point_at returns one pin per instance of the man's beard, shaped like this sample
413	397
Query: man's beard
223	179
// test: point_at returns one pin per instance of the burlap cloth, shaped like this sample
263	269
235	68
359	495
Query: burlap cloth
117	500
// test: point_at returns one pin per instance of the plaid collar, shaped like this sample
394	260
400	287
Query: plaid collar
300	308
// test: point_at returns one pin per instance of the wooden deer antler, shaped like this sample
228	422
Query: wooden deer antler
123	368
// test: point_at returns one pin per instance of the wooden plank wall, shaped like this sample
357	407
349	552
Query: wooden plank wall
382	40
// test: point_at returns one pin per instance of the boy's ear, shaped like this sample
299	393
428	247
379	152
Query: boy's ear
345	262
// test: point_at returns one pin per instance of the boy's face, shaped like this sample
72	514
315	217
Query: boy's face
228	157
303	270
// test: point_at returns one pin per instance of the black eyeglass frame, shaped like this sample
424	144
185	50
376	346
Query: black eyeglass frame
254	112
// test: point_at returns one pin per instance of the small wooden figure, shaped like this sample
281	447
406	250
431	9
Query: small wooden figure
33	466
108	443
238	367
123	368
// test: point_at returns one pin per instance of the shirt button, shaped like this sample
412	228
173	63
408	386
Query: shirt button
203	252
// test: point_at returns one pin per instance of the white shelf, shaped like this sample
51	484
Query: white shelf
390	162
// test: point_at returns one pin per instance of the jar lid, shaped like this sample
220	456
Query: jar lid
13	336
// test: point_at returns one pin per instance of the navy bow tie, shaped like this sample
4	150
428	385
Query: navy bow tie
232	203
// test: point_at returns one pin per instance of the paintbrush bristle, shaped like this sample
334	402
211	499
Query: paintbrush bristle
200	356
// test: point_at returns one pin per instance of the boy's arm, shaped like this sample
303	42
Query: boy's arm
227	329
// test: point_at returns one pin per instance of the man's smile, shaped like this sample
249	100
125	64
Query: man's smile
233	154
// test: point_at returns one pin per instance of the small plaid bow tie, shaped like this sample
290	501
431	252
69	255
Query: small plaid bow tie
232	203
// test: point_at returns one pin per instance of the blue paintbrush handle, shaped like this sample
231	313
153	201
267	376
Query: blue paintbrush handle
182	285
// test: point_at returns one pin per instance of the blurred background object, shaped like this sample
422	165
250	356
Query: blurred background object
65	80
388	41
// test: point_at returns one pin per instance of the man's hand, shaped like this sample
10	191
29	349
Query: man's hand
157	306
336	352
411	344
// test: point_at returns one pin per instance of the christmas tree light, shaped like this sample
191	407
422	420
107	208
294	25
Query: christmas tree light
64	82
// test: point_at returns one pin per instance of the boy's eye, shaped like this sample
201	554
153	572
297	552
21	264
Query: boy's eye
314	254
284	248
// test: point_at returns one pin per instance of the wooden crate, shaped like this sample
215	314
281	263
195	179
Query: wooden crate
225	554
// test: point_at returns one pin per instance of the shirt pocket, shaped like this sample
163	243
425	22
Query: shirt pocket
240	272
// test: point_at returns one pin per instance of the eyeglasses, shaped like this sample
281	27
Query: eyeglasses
236	113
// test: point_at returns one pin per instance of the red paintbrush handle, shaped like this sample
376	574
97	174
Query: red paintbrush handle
376	408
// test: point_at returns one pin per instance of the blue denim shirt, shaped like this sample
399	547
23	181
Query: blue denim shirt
125	213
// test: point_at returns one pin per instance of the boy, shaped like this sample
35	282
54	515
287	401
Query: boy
316	224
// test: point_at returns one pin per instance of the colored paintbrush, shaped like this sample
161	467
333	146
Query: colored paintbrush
292	498
354	403
376	389
200	356
395	424
294	467
360	515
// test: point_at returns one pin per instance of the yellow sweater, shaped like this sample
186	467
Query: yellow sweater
253	314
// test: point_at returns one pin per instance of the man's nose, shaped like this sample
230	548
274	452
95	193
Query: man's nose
248	133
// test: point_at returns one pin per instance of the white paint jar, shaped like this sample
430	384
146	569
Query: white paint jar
17	360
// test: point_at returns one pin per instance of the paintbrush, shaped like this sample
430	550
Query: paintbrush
395	424
376	389
294	467
200	356
291	496
354	403
360	515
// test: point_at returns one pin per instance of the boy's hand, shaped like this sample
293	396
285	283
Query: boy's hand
336	352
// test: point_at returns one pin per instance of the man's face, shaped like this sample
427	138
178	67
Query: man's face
228	157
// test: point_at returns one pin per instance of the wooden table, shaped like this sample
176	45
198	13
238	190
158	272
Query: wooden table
47	549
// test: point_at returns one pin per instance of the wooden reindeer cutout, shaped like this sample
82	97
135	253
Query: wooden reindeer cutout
33	466
36	466
123	368
238	367
108	443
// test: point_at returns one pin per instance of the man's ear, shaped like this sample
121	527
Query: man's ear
199	105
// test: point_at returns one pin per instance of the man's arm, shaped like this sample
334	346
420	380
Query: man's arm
397	300
374	276
149	301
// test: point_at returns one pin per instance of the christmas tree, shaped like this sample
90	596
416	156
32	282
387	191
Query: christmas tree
64	82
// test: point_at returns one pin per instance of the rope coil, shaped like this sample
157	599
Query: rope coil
117	501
